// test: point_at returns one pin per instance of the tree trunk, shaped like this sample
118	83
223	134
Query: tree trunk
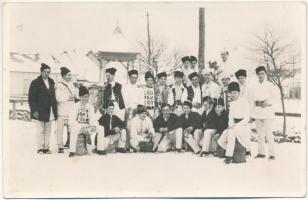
201	39
283	111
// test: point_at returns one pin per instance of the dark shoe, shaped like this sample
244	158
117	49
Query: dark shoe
47	151
40	151
204	154
67	145
72	154
271	158
198	152
260	156
94	150
121	150
248	154
228	160
101	153
178	150
61	150
211	152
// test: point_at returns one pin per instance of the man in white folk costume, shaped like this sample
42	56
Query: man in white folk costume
186	69
224	92
263	97
168	132
82	119
113	92
193	93
113	135
176	93
226	66
141	130
238	126
132	94
210	88
66	94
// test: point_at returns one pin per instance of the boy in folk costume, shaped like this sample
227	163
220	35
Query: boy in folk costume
141	130
225	94
262	101
241	76
149	94
238	127
162	89
176	93
66	94
190	122
209	87
209	120
167	130
113	135
193	93
82	119
113	92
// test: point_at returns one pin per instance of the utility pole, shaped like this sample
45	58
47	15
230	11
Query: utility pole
293	90
201	39
149	40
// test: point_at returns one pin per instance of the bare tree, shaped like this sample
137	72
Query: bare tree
201	39
278	55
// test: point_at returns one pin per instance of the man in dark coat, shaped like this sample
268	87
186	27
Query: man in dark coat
43	107
113	92
168	132
191	124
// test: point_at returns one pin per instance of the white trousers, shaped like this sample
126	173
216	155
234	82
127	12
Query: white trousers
265	129
118	112
227	141
171	139
205	139
60	126
43	134
75	131
111	142
192	141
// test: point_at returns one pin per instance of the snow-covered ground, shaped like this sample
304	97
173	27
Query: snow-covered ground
28	174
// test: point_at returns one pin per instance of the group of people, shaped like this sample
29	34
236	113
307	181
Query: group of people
194	114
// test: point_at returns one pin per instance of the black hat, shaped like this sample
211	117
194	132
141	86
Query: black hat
192	75
161	74
240	72
111	70
260	68
178	74
220	101
133	71
148	74
187	103
64	71
164	105
233	86
44	66
141	109
207	98
185	58
193	58
83	91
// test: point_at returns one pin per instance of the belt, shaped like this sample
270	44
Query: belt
236	120
259	103
150	107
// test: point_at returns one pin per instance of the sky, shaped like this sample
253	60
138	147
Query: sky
54	27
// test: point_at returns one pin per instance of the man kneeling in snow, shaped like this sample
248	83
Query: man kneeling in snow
238	128
141	131
113	135
82	119
168	132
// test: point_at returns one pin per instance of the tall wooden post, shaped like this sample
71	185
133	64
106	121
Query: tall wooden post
201	39
149	39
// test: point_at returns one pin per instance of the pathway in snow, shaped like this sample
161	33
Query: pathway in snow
31	175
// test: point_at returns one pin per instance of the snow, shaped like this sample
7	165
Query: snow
28	174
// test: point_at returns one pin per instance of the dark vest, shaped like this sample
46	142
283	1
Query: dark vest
190	93
173	92
117	92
